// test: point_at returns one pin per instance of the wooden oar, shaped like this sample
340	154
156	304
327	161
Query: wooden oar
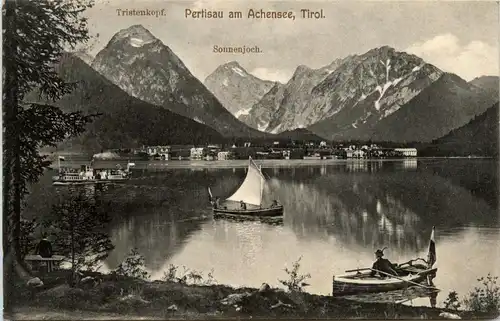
411	282
356	270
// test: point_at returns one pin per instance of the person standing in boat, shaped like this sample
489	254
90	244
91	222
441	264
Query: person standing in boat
243	206
383	265
216	203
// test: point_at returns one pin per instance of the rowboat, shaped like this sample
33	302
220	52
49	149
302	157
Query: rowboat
408	274
257	211
363	282
246	201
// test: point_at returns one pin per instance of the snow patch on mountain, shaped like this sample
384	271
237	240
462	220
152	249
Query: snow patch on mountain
199	120
387	69
391	110
382	91
276	129
239	71
242	112
262	126
137	42
396	81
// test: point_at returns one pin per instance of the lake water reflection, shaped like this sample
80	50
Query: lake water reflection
335	218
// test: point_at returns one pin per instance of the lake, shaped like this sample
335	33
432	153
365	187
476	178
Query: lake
337	213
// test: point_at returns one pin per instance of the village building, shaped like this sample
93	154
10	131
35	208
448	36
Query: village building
158	151
196	152
407	152
223	155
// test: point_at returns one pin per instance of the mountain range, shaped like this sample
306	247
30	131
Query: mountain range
146	95
381	95
125	121
145	68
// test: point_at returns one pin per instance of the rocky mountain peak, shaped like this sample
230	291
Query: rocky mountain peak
231	64
237	89
146	68
136	35
231	68
301	69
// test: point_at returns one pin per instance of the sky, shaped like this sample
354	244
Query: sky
459	36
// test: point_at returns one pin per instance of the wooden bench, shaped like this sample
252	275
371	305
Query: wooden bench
51	262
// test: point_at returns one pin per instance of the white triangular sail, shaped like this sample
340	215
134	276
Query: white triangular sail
251	189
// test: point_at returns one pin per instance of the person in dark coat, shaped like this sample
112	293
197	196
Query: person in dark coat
217	202
243	206
44	248
383	265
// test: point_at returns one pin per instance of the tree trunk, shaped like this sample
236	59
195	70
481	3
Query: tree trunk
12	183
73	269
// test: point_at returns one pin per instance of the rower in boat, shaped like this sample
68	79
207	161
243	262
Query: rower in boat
382	264
216	202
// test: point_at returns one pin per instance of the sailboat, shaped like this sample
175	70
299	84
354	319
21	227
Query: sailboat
247	200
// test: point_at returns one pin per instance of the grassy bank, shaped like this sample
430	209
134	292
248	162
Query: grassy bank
120	297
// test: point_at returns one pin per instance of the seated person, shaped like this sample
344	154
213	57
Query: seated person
216	203
274	204
383	265
44	248
243	206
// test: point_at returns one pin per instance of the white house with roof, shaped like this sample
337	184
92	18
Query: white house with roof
162	151
196	153
407	152
222	155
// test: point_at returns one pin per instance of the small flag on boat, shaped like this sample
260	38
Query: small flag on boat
61	158
431	256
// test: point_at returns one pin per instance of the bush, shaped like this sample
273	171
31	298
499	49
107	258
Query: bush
133	266
485	298
171	274
188	276
295	283
452	302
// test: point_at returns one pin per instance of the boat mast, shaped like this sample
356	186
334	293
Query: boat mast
261	185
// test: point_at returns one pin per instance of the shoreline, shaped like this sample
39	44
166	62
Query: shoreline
243	163
120	297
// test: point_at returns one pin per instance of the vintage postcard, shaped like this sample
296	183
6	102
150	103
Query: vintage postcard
215	159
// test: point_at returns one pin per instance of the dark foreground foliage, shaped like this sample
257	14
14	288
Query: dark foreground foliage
133	297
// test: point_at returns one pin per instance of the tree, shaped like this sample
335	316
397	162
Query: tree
79	226
27	238
35	34
29	57
133	266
